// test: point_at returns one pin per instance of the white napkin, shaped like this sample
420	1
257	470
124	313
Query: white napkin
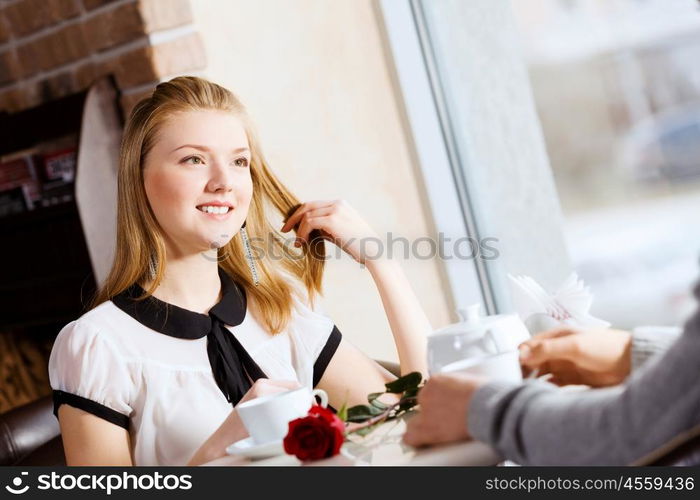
540	310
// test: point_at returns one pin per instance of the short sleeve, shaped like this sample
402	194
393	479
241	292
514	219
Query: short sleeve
317	333
87	372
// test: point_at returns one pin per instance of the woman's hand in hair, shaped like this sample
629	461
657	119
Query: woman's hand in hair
339	223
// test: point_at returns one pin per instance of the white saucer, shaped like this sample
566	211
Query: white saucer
247	448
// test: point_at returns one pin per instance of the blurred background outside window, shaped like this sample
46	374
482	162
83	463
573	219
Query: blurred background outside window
617	89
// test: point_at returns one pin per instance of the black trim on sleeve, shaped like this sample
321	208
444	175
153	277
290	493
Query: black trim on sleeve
326	354
90	406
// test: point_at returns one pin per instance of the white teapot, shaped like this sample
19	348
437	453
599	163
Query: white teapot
486	345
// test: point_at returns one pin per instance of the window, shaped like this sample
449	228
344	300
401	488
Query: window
468	100
570	132
618	95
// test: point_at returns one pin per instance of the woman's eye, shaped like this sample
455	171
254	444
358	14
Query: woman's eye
241	162
195	160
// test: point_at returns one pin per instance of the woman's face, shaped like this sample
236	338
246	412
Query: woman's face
197	179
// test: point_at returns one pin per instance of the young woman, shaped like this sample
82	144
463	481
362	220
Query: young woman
189	322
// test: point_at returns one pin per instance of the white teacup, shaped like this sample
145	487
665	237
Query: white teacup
267	418
503	366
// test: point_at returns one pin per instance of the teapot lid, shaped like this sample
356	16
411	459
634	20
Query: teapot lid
472	314
471	321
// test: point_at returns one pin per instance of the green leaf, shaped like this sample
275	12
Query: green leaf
374	396
378	404
374	410
365	430
401	384
359	413
407	405
410	393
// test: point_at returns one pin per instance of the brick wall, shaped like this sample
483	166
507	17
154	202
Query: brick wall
51	48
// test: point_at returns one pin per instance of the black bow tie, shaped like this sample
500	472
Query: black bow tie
231	365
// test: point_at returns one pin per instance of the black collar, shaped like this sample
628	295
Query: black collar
182	323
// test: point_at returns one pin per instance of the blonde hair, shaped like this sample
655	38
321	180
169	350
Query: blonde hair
140	238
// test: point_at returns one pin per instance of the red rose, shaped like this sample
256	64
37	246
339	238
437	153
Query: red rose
315	436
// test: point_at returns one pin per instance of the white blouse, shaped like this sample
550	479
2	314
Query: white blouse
161	388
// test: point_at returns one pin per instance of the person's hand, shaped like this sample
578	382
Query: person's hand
337	222
233	425
597	358
232	429
442	416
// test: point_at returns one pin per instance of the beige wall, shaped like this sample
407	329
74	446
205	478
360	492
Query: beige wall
317	82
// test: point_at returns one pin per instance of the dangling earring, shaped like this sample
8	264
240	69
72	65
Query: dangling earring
249	254
152	267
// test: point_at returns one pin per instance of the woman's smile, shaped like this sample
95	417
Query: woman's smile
216	212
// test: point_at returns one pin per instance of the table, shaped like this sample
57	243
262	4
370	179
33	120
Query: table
384	447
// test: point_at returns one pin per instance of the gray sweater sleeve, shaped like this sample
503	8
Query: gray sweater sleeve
650	341
537	423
